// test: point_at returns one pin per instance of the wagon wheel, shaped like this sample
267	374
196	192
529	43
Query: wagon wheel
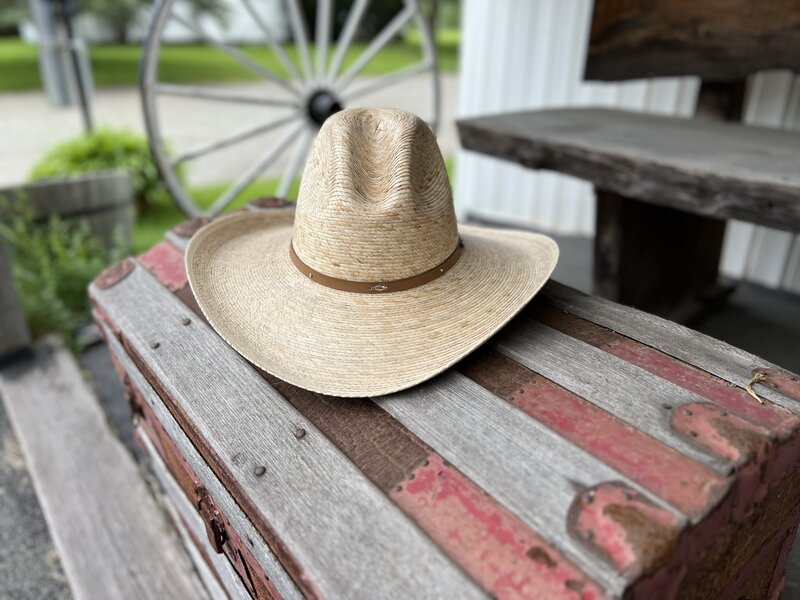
305	96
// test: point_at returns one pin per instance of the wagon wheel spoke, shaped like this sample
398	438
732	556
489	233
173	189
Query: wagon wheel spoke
235	138
254	171
296	164
323	33
220	95
388	80
287	62
346	37
236	54
300	33
384	37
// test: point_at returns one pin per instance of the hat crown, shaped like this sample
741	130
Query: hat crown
375	202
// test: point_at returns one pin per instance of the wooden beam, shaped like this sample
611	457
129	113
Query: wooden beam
111	536
709	38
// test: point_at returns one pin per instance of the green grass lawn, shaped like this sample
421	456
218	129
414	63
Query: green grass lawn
151	227
119	65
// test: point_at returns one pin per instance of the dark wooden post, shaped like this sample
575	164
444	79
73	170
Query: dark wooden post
14	335
661	259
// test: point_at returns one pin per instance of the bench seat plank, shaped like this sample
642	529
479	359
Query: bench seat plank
720	170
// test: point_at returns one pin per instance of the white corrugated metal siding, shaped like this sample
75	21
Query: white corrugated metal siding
523	54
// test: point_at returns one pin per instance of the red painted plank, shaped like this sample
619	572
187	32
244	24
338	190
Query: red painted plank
785	383
494	547
685	484
632	533
775	418
722	432
165	261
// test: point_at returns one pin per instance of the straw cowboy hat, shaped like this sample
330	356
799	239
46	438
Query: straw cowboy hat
369	286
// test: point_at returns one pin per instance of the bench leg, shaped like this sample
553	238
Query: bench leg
655	258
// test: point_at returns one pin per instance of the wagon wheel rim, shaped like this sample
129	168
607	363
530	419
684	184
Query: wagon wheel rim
318	85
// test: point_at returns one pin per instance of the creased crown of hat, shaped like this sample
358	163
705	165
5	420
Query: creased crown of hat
370	286
375	202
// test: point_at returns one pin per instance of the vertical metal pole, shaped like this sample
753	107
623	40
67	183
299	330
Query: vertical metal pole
68	10
51	67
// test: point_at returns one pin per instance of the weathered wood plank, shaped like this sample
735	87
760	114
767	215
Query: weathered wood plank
531	469
191	527
266	559
112	538
713	40
620	388
720	170
304	494
707	353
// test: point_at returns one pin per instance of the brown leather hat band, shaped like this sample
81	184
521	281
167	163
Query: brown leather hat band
377	287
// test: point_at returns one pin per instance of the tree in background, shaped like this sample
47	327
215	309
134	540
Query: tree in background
442	13
119	15
379	14
12	12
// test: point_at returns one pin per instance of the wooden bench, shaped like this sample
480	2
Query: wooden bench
589	450
666	185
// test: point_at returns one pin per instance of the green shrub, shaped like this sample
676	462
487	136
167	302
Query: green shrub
103	150
52	264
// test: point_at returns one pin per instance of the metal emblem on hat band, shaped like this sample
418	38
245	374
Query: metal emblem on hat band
377	287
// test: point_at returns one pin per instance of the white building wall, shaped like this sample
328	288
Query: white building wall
528	54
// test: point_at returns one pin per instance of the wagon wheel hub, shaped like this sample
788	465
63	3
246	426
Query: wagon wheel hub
321	105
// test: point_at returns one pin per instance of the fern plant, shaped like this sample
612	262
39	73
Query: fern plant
52	264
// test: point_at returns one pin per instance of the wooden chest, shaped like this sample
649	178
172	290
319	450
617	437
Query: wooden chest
587	451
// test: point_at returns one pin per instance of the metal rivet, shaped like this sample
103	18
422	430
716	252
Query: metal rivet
299	433
186	321
154	345
311	276
259	471
379	288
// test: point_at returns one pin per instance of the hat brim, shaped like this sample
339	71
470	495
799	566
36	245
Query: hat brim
353	344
